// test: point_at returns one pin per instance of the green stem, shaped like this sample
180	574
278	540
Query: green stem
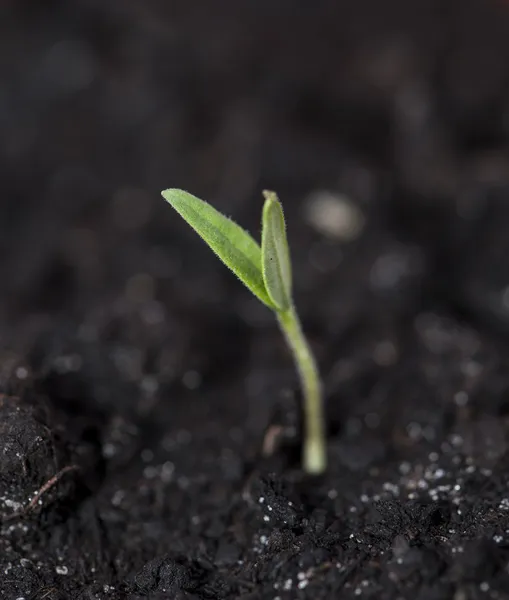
314	450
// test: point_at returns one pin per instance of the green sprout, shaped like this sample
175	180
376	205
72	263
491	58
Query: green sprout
267	272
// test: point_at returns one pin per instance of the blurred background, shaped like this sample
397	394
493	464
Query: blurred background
384	127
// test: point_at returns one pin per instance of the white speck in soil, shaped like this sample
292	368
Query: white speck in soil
21	372
461	398
334	215
117	497
109	450
150	472
167	470
456	440
504	504
414	431
10	503
287	585
391	488
471	369
149	385
62	570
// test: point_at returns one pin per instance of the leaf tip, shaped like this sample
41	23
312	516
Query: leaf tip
171	193
271	200
275	253
270	195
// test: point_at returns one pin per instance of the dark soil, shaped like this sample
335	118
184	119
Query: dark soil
139	379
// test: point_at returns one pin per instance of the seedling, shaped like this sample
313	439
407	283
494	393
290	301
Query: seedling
267	272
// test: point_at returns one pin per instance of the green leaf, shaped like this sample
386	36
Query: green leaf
276	265
234	246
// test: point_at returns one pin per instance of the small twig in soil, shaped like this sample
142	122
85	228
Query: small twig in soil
45	593
271	440
47	486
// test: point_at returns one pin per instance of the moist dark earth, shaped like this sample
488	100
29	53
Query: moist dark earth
140	382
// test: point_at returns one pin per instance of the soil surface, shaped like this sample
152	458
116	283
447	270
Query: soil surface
140	382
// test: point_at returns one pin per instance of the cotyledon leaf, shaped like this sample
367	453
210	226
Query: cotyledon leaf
238	250
276	265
